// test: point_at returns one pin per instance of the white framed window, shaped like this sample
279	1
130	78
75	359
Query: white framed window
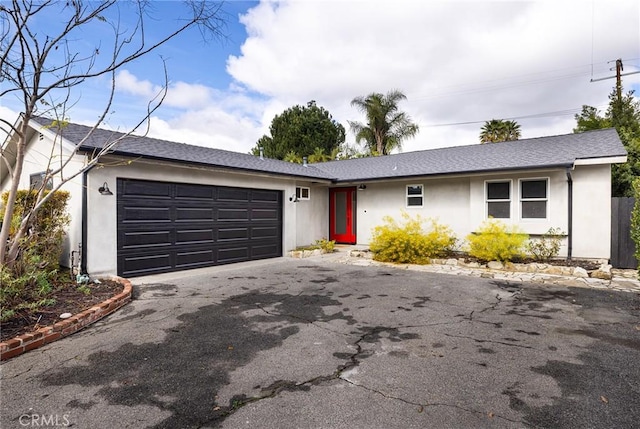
534	195
303	193
415	196
498	198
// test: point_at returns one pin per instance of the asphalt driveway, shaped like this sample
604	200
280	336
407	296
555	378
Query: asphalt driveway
312	343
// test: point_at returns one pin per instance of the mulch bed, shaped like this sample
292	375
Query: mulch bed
68	300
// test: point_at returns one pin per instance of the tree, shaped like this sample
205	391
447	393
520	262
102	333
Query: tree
46	67
498	130
386	127
301	131
623	113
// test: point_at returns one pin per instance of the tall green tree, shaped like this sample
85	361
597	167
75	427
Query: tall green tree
623	113
386	126
499	130
301	131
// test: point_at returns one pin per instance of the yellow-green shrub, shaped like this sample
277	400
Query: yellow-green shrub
495	241
410	242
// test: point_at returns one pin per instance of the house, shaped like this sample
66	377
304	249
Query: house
154	206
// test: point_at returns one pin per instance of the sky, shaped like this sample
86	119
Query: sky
459	63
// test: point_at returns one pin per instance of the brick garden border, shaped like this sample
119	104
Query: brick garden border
25	342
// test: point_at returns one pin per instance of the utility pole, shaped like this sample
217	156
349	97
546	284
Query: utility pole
618	76
619	69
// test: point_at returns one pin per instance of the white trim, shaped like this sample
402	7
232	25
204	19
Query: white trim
546	199
407	196
299	193
607	160
486	197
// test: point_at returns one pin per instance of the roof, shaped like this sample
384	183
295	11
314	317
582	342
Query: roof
536	153
151	148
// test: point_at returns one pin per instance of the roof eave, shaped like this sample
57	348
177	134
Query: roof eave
458	173
207	165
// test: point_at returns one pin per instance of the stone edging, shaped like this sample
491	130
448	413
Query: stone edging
605	277
25	342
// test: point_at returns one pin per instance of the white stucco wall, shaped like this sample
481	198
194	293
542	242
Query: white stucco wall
312	215
43	153
102	222
461	204
446	200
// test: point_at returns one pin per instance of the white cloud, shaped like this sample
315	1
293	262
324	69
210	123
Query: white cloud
455	61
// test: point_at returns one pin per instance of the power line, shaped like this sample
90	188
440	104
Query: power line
565	112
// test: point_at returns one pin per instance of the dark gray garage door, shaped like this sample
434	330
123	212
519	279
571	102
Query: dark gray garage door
165	227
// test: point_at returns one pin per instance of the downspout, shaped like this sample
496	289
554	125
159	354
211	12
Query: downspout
570	214
83	238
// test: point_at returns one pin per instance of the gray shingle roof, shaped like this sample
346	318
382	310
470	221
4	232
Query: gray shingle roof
535	153
147	147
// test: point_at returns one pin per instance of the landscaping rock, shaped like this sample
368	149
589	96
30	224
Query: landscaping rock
495	265
604	272
580	272
451	262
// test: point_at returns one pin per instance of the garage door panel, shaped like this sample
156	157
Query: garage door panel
194	258
233	194
225	214
195	192
233	254
265	214
165	227
136	239
202	214
265	196
145	189
233	234
137	265
265	232
195	236
265	251
146	214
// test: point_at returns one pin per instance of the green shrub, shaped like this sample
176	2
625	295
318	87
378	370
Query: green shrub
495	241
46	236
635	220
547	246
26	283
327	245
410	242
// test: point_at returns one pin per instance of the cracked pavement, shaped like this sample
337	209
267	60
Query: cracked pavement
311	343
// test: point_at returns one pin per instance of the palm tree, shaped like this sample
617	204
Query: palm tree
498	130
386	126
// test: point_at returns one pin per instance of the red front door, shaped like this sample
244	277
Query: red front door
342	215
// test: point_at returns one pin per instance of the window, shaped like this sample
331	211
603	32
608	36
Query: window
414	195
533	198
499	199
303	193
35	181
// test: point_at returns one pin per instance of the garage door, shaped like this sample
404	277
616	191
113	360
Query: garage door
164	227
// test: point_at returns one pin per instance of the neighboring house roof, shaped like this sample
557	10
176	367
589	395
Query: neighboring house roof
536	153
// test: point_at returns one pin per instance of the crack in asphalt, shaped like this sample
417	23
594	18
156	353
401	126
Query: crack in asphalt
353	360
486	341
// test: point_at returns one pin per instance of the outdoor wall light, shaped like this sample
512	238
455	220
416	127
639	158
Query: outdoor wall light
293	198
104	189
362	187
